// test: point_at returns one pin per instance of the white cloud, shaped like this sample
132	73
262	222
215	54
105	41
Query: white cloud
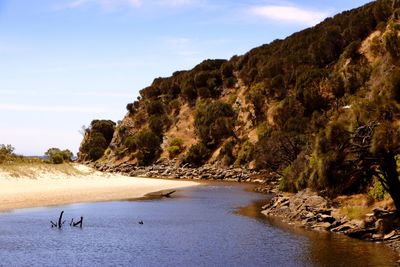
289	14
56	109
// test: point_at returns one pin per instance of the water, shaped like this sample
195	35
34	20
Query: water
198	228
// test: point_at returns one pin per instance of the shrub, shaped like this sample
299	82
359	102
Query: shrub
229	82
197	154
176	147
57	156
226	152
130	144
6	152
214	121
156	125
391	43
246	154
148	145
97	138
227	70
376	191
155	107
173	151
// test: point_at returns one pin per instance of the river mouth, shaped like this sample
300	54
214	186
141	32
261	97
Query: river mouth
199	226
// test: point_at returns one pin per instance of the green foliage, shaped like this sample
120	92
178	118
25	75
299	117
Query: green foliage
227	70
155	108
97	138
6	152
263	130
307	90
57	156
257	97
175	147
176	142
147	146
226	152
197	154
246	154
214	121
173	151
376	191
283	183
393	84
130	143
391	42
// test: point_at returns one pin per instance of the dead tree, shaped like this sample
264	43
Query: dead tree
376	146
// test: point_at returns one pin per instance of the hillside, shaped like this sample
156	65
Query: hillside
320	109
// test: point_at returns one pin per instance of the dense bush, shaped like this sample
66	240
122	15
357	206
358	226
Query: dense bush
97	138
6	152
214	121
175	147
246	154
197	154
58	156
147	146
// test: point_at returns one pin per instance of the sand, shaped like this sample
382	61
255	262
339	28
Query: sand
45	186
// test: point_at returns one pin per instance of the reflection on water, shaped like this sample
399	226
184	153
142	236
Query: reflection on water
198	228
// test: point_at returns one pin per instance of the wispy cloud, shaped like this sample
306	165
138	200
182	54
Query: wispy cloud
289	14
56	109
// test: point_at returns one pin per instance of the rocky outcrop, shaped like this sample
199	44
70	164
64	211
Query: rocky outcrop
312	211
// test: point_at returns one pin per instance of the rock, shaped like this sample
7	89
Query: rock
361	233
322	226
326	218
342	228
390	235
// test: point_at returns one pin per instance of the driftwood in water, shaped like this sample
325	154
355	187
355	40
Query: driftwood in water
61	222
168	194
60	219
78	223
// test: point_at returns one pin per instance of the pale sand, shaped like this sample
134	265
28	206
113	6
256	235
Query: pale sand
54	187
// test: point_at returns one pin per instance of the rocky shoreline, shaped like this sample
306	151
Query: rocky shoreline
266	182
309	210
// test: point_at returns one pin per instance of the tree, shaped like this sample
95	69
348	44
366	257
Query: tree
6	152
57	156
147	145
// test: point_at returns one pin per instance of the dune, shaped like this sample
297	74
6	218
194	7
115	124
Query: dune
26	186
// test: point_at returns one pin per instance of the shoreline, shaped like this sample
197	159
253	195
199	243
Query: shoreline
51	187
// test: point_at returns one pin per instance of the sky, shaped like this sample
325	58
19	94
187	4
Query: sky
67	62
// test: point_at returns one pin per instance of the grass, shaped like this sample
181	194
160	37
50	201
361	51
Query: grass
35	169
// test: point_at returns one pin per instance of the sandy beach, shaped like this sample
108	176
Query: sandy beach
35	186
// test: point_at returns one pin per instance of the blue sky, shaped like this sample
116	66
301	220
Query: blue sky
66	62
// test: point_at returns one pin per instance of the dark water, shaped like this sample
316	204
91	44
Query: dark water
199	228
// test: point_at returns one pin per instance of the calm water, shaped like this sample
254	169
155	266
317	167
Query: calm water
198	228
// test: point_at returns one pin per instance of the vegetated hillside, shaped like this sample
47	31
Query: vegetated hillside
320	108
